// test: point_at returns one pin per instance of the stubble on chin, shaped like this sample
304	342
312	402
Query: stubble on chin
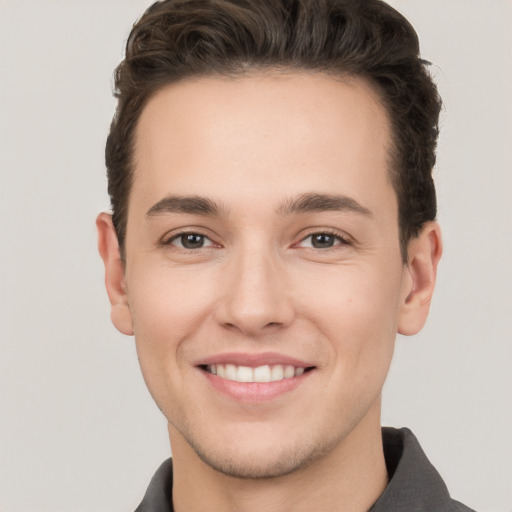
258	465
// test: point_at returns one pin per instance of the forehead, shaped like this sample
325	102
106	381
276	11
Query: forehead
262	134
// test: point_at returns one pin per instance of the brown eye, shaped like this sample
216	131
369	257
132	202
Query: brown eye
191	241
323	241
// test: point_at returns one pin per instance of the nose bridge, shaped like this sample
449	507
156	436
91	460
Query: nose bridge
256	293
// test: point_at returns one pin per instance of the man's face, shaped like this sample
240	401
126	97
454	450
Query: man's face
262	244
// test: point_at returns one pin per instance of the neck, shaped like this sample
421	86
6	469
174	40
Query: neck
349	478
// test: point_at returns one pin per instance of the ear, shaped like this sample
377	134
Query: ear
424	253
108	247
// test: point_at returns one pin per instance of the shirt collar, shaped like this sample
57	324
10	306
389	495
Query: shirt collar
414	485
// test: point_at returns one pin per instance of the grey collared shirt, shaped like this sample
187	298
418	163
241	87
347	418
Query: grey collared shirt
414	485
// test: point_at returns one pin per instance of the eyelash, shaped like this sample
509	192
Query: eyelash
179	236
342	240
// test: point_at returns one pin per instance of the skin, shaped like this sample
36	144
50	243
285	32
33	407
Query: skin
255	146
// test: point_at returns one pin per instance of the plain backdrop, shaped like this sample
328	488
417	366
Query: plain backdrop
78	430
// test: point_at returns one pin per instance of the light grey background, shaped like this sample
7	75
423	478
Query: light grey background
78	430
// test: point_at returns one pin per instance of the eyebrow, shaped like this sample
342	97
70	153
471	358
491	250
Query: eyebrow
195	205
304	203
311	202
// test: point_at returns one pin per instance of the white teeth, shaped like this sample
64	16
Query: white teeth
289	371
277	372
263	373
230	372
244	374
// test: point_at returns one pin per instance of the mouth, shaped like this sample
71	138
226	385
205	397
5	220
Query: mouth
259	374
255	378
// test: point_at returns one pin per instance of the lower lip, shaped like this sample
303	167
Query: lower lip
255	392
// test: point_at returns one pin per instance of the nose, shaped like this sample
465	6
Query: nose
257	298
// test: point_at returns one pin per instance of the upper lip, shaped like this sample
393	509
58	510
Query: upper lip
254	360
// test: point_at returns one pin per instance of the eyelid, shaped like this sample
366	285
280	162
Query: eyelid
343	238
207	241
173	235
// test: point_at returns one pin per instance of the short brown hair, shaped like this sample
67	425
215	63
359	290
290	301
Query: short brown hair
179	39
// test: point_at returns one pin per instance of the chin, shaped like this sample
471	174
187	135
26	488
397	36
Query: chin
261	458
256	466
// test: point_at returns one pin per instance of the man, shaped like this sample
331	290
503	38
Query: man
273	229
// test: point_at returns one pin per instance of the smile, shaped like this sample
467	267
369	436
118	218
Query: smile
265	373
255	378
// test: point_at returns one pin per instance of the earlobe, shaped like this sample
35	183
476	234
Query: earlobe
424	253
114	274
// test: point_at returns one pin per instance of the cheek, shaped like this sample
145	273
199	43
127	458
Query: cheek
357	311
168	302
166	306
